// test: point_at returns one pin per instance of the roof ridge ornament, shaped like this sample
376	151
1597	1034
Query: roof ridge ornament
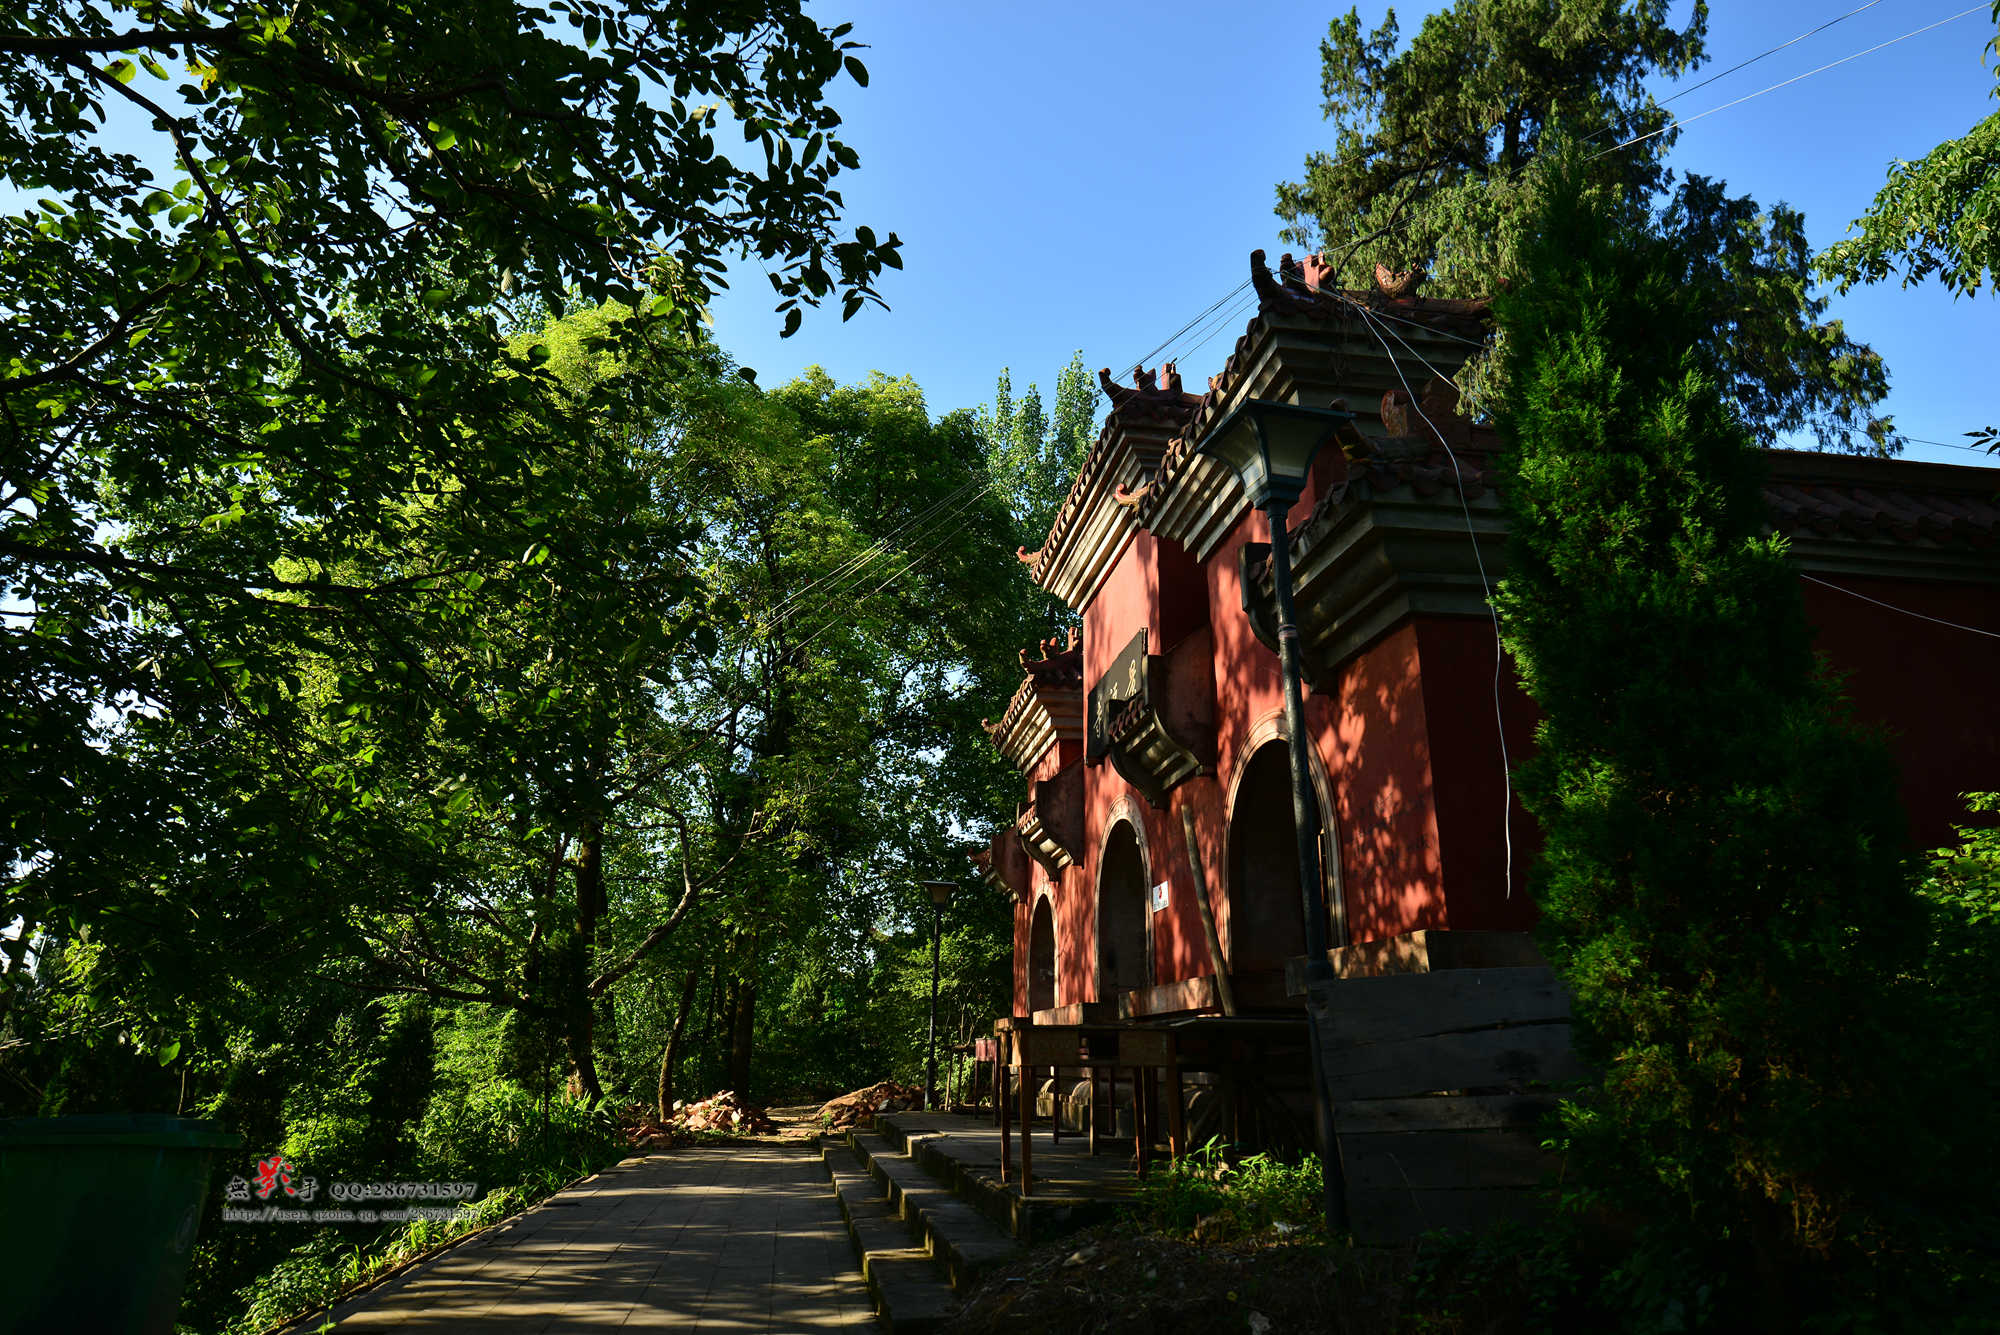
1393	286
1054	648
1131	498
1287	290
1163	384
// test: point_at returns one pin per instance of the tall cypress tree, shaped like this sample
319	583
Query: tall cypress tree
1722	887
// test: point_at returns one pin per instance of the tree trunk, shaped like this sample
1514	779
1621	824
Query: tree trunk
742	1032
605	1023
671	1057
711	1025
589	905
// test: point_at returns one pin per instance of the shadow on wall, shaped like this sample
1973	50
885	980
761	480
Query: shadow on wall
1382	761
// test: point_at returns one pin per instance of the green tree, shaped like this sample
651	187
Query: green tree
865	549
288	349
1436	166
1722	888
1937	217
1034	452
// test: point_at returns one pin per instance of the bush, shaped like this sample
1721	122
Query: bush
1204	1195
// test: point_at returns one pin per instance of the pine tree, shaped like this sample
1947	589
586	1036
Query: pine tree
1437	164
1722	887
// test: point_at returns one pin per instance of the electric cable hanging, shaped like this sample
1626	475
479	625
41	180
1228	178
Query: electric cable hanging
1168	341
1921	616
731	706
778	614
1768	51
918	560
1465	508
1688	120
1833	64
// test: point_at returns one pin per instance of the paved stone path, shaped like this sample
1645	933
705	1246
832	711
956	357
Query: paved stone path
707	1239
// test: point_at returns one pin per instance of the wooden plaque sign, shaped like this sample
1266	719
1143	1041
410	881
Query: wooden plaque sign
1124	680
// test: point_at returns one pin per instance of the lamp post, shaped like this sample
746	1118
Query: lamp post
940	893
1270	446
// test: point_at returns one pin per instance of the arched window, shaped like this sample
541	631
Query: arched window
1042	958
1266	914
1124	952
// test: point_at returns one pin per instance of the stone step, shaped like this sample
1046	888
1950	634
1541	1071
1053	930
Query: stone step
1051	1212
964	1241
910	1292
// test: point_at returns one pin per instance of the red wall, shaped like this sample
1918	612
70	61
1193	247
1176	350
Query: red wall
1410	745
1929	687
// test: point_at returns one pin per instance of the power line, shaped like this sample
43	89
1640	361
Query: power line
866	558
1638	139
1168	341
734	704
1949	444
1485	583
1921	616
1745	64
1689	120
947	535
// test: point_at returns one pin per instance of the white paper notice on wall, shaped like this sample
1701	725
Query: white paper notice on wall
1160	897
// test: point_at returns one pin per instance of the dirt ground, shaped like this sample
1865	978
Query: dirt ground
1116	1280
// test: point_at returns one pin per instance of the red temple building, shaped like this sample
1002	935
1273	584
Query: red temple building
1165	713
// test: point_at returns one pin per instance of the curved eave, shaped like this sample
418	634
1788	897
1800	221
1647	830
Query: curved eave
1043	718
1043	846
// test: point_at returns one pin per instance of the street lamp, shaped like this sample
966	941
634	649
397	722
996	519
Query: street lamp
940	893
1270	446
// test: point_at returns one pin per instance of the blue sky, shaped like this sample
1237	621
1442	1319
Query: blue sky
1091	176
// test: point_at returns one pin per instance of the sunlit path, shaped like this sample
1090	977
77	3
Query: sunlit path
709	1239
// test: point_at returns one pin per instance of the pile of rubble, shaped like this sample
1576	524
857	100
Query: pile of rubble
724	1112
643	1131
888	1096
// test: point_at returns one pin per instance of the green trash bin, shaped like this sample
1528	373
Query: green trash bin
98	1217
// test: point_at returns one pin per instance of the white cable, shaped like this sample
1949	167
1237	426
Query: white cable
1689	120
1991	635
913	563
731	706
1168	341
779	614
1465	507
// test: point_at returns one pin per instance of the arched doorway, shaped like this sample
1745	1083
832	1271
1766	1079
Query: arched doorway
1266	917
1124	951
1042	958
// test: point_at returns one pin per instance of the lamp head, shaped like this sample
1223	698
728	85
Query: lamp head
1271	445
940	891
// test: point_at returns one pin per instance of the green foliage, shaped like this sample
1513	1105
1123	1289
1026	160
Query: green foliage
331	1260
1034	452
1937	217
1512	1277
1438	164
1723	888
425	652
1205	1194
394	1090
262	411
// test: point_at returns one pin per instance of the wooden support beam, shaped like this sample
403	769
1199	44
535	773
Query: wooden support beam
1027	1140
